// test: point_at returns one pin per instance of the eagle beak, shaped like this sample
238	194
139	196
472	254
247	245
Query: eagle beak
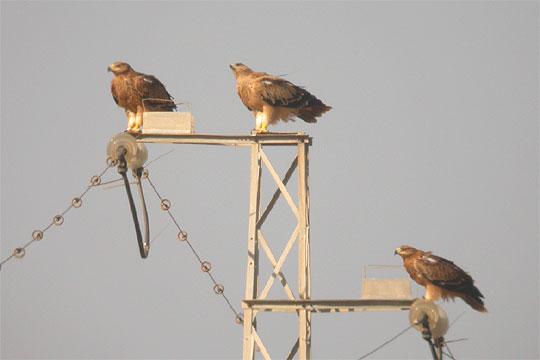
231	66
396	252
109	69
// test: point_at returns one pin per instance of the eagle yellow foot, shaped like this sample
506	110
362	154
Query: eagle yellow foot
262	129
134	130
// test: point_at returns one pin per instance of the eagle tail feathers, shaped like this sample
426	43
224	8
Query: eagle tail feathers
475	302
311	113
474	298
471	296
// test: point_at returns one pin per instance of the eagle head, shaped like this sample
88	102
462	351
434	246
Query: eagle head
405	251
239	68
119	68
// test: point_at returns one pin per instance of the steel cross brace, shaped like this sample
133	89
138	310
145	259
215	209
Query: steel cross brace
256	240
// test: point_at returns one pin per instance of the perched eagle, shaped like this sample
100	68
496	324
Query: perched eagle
272	98
441	277
129	88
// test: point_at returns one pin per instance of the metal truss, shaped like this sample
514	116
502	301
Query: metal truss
256	301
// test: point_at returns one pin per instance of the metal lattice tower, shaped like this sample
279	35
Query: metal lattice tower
256	240
256	301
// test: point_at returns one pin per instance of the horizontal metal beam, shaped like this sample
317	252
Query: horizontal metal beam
328	306
227	140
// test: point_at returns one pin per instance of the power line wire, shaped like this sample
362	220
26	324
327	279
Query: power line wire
147	165
449	354
456	319
205	265
386	343
160	232
58	220
159	157
165	204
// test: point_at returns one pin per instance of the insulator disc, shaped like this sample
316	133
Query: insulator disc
437	318
136	154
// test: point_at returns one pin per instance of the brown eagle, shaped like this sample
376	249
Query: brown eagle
441	277
272	98
130	87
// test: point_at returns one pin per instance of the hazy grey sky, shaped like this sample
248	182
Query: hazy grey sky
432	142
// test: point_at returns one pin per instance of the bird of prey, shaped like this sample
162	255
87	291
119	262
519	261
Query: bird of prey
441	277
130	87
272	98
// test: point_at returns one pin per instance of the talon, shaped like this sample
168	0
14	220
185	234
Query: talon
262	129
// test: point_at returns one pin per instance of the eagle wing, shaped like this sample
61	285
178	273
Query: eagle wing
149	87
442	272
293	99
114	92
272	98
280	92
450	278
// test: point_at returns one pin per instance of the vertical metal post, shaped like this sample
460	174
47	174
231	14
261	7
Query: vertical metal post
251	338
253	251
304	281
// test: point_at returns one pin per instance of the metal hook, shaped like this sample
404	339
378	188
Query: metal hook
144	246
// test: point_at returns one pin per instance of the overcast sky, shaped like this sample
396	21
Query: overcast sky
432	142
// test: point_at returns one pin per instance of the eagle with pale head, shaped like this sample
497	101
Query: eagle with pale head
272	98
441	277
137	92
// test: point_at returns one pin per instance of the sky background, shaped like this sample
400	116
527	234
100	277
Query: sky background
432	142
